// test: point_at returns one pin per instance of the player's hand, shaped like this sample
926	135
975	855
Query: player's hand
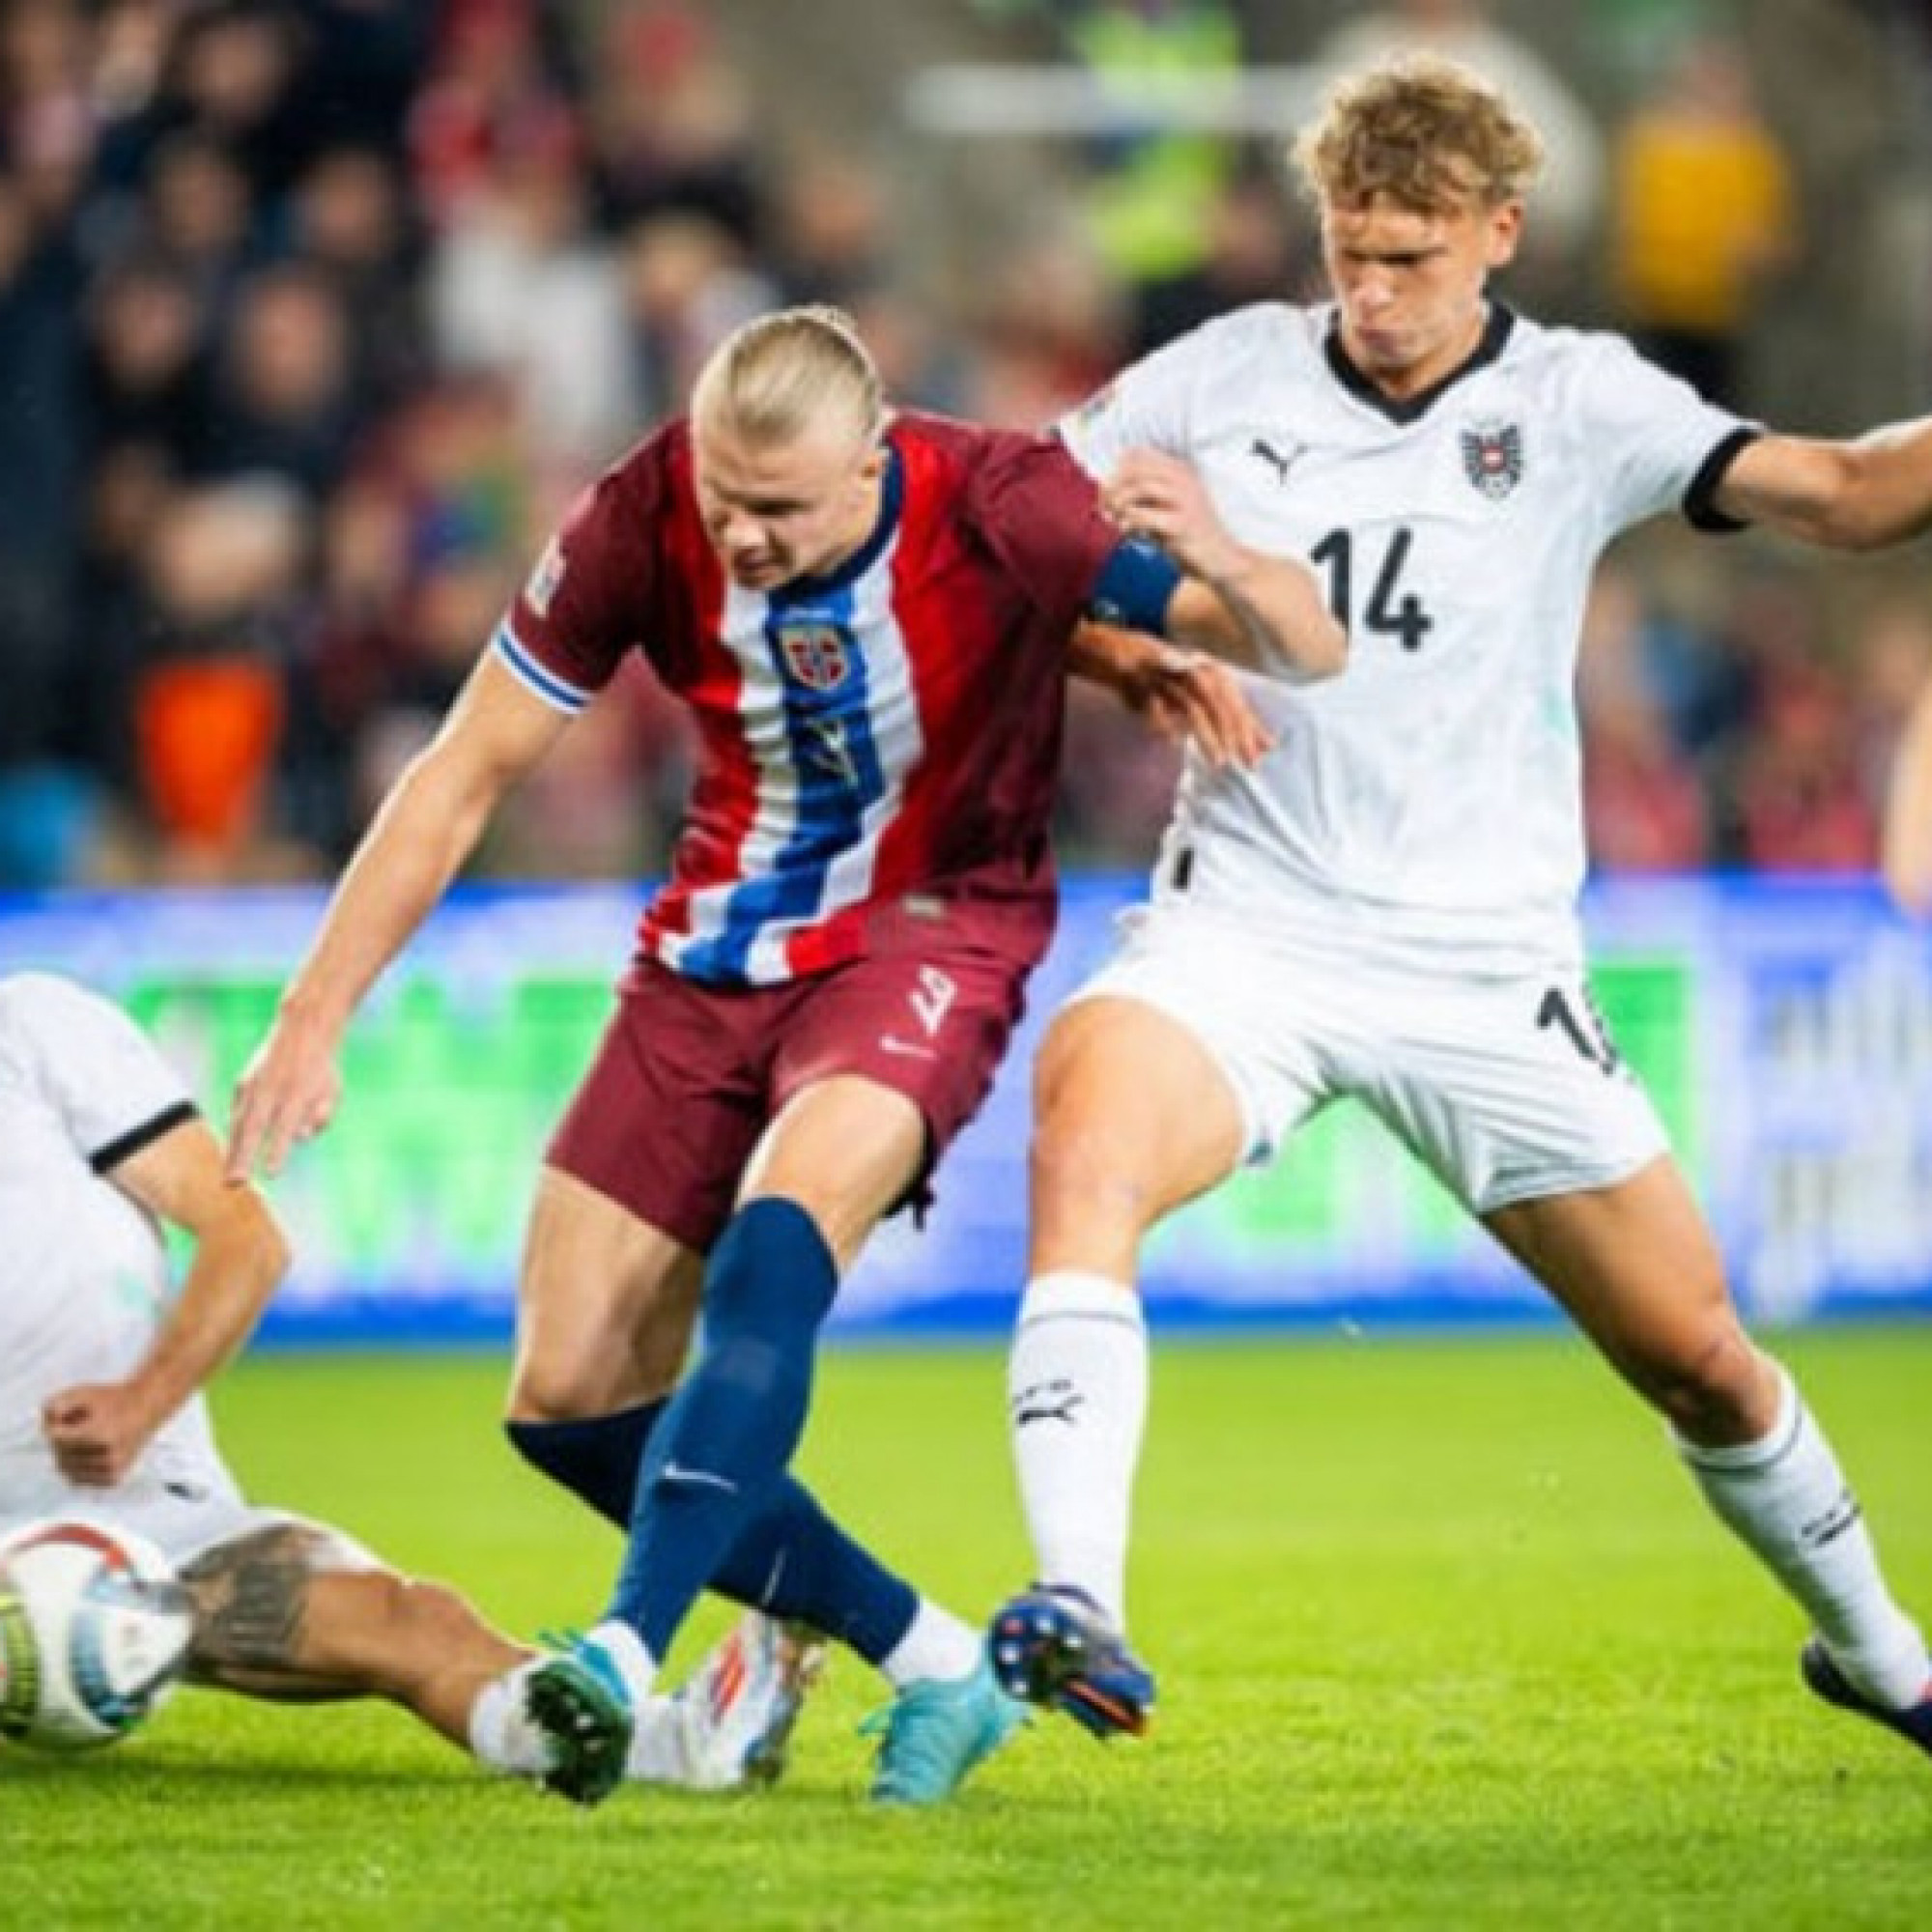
1161	497
1197	701
98	1431
288	1093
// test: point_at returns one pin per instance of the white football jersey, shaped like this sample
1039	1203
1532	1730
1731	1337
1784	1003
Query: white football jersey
83	1270
1428	800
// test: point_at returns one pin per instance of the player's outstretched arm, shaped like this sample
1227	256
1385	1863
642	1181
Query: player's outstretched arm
97	1430
425	829
1864	494
1907	848
1263	613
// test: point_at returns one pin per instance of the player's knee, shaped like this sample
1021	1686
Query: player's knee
559	1386
1074	1168
1714	1388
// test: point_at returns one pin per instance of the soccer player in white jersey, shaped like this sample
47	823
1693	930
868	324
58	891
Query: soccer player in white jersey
1384	906
101	1415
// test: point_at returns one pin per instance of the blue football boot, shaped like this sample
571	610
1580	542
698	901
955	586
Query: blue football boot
1826	1680
935	1732
1053	1646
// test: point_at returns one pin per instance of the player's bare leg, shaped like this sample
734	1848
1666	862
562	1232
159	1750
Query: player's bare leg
299	1613
1132	1117
605	1310
1636	1268
845	1149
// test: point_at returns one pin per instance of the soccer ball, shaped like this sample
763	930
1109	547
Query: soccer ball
93	1631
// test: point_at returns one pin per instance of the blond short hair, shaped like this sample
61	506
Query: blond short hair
1421	131
782	376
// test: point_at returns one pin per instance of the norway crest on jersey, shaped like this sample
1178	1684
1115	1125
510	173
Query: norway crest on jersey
1493	457
817	656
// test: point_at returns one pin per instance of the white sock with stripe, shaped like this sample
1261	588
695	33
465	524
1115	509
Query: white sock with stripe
1786	1497
1077	1397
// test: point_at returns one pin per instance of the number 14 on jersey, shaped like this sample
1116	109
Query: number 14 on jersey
1392	610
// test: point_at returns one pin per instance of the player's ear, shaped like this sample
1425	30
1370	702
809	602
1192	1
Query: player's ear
1502	234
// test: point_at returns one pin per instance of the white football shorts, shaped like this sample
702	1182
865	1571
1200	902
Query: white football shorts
194	1507
1506	1088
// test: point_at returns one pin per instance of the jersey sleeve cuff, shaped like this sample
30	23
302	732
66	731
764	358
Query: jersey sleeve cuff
1700	509
106	1159
535	676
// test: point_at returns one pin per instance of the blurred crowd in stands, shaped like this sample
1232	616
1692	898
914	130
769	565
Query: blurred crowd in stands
313	317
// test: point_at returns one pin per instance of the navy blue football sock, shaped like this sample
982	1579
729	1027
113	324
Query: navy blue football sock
796	1562
595	1456
720	1453
793	1561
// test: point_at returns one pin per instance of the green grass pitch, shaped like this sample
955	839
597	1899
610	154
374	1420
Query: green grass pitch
1445	1640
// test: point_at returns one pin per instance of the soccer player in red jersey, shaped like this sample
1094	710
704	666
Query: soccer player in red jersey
869	614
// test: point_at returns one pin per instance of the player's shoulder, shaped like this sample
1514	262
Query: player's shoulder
945	455
1558	353
657	463
35	999
44	1012
1276	335
606	537
952	440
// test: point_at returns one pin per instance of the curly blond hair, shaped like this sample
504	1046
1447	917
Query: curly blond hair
1421	131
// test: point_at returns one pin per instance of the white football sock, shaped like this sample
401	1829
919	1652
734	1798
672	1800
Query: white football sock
625	1648
500	1735
1077	1395
503	1738
936	1645
1786	1497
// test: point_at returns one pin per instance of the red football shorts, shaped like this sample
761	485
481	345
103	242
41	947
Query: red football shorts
688	1076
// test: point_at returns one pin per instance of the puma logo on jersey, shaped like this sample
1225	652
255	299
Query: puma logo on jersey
1273	458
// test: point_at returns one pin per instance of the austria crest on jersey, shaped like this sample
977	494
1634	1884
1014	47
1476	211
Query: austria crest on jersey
1493	457
817	656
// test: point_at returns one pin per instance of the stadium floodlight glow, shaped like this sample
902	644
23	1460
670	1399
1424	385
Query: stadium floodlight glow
968	99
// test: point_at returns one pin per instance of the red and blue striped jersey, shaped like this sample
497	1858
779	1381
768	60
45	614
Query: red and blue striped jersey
876	746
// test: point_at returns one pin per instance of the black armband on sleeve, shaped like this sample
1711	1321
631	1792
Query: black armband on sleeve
103	1160
1700	510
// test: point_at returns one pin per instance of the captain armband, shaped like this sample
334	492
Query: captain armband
1136	587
